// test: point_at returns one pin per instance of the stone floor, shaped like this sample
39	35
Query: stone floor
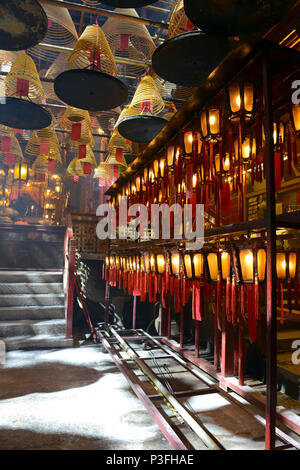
76	399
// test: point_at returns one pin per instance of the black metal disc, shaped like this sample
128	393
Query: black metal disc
141	128
128	3
23	114
188	59
23	24
90	89
236	17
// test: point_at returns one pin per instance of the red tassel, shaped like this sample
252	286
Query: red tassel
295	156
243	301
251	313
225	197
228	299
256	296
277	171
289	285
233	301
197	311
281	155
219	300
289	150
281	304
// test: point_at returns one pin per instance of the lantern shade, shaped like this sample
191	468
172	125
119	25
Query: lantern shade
171	157
241	99
175	264
21	172
293	265
188	269
188	142
261	264
286	265
210	124
281	266
160	264
247	264
146	262
296	117
213	266
198	265
225	264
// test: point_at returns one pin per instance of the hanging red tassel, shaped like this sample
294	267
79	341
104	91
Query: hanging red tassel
233	301
289	285
243	300
251	313
277	171
219	300
197	311
281	304
295	156
289	150
281	154
177	295
228	299
256	297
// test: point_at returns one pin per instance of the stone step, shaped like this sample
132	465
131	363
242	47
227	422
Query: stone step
31	313
32	327
29	300
11	288
30	276
37	342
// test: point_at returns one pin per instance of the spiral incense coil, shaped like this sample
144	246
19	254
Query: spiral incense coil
90	157
74	168
61	32
86	137
24	69
14	146
102	171
130	40
126	111
92	51
91	3
179	22
117	141
72	115
147	98
34	147
113	161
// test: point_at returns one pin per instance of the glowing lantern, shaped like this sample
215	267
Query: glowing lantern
21	172
296	117
210	124
241	100
286	265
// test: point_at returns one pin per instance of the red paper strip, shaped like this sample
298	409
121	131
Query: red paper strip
119	154
251	313
44	148
124	41
277	171
41	177
76	179
87	168
76	131
9	159
82	151
225	197
5	144
51	165
22	87
189	180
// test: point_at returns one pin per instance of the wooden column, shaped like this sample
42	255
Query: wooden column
271	372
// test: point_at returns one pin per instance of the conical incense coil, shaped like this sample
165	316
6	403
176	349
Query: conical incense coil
112	160
23	80
179	22
126	111
102	171
90	157
84	136
61	32
128	39
72	115
92	51
10	149
39	146
117	141
74	168
147	98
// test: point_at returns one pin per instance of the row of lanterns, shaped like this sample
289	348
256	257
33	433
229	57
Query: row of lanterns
206	160
213	274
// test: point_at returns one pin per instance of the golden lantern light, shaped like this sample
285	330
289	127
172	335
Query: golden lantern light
193	266
225	164
286	264
278	132
213	266
21	172
171	151
241	100
157	263
252	264
295	114
175	264
138	183
146	262
225	264
210	126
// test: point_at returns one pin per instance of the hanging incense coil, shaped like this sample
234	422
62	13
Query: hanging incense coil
117	141
91	83
74	168
126	111
112	160
179	22
72	115
130	40
86	137
24	24
102	171
23	90
45	145
232	18
147	98
10	149
61	32
143	123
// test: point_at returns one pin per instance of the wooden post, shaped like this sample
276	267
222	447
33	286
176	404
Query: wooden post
227	351
271	372
134	313
169	315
